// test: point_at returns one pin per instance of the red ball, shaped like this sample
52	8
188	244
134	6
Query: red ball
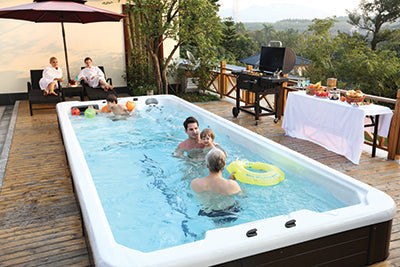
75	112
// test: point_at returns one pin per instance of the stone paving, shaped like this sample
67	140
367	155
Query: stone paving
8	117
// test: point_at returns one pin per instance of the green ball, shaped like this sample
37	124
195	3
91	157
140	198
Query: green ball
90	113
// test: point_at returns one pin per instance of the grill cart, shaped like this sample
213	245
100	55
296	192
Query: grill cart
274	62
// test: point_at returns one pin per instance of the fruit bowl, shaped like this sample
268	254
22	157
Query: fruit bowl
312	89
322	94
72	83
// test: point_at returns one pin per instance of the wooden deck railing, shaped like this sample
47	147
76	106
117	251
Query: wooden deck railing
223	82
394	132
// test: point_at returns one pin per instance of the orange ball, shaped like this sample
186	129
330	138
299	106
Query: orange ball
105	109
75	112
130	105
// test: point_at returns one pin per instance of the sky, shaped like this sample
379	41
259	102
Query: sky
336	7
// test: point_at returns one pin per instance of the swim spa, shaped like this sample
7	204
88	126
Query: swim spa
358	232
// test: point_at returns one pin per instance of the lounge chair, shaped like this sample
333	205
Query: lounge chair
97	93
35	94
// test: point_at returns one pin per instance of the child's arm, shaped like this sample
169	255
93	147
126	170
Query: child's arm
124	108
97	110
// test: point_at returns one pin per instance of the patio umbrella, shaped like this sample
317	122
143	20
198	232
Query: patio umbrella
74	11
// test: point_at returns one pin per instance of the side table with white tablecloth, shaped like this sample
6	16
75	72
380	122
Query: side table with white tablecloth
335	125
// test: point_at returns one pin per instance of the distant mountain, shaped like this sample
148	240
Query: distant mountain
275	12
301	25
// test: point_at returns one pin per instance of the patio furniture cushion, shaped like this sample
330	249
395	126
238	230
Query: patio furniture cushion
35	94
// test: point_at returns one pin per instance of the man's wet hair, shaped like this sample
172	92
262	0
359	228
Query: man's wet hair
215	160
189	120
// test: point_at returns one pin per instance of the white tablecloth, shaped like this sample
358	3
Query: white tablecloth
335	125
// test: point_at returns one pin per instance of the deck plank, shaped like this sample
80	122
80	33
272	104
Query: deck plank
40	223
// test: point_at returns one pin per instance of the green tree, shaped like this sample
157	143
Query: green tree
290	38
241	29
235	46
184	21
320	48
258	36
245	47
263	36
359	67
269	33
229	35
372	15
392	44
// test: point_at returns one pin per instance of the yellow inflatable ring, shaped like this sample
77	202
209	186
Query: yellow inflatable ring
271	175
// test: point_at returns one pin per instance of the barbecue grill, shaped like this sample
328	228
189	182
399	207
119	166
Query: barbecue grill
274	62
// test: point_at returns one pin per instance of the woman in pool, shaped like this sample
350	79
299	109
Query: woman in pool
51	76
215	193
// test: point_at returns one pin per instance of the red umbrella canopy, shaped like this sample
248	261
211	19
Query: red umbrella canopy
59	11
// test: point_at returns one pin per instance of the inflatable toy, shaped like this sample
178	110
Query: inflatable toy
90	113
130	105
75	112
269	175
105	109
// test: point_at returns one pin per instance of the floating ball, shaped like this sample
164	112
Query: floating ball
105	109
90	113
75	112
130	105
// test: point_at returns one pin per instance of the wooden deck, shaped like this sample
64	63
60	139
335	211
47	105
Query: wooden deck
40	221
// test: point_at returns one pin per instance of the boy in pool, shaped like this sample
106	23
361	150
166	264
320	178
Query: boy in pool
117	109
207	138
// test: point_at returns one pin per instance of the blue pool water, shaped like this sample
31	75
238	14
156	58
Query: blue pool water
145	189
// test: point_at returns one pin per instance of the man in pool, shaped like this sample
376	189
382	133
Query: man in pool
215	193
193	142
216	161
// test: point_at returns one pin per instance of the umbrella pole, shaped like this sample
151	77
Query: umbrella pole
65	51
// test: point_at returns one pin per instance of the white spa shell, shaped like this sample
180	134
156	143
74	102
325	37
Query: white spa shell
367	205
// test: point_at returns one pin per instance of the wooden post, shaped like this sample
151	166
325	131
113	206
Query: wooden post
394	132
282	98
222	84
248	97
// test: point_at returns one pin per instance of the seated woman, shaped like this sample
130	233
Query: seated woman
51	75
93	76
215	193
